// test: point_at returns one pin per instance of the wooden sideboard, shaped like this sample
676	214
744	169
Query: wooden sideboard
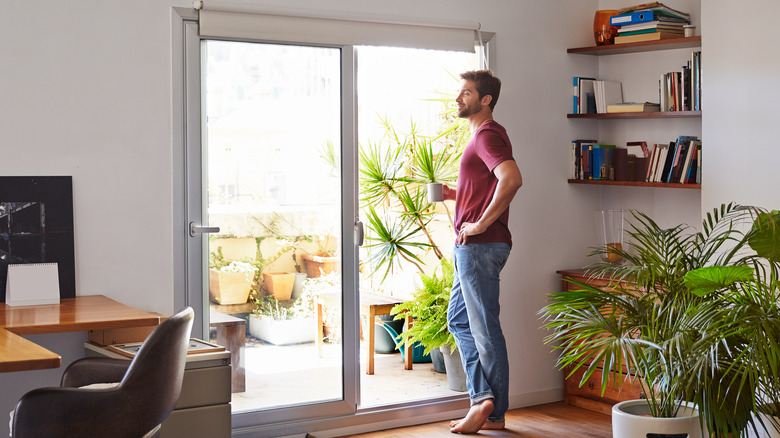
588	395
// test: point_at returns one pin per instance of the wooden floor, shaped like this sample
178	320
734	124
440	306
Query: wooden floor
543	421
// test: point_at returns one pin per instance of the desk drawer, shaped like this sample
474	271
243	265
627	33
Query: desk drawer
202	422
588	396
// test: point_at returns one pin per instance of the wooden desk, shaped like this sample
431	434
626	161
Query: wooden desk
371	306
93	312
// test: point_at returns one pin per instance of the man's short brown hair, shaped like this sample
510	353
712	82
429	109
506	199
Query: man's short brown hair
487	84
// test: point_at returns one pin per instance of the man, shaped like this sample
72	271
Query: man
488	180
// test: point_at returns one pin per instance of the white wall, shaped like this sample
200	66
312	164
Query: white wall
740	107
86	91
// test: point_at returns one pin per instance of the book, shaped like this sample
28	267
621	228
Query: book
665	165
663	90
659	157
607	93
655	7
577	94
648	176
586	158
639	170
690	175
620	164
696	79
577	155
655	36
587	100
644	31
677	148
689	157
602	161
681	152
633	107
651	25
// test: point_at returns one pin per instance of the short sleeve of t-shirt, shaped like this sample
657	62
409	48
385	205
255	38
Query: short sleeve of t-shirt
492	147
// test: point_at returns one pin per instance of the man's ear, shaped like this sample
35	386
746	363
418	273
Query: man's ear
486	99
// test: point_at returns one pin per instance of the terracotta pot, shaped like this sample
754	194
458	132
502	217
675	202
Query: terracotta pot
229	287
279	284
318	265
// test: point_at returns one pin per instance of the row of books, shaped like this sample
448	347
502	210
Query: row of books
649	22
595	96
677	91
676	162
681	90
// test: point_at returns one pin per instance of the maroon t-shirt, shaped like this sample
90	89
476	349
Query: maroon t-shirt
488	147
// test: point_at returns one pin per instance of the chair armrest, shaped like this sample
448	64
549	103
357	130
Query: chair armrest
91	370
74	412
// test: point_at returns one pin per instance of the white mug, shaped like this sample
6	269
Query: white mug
435	192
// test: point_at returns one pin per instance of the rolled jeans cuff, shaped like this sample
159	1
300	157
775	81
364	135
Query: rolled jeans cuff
482	397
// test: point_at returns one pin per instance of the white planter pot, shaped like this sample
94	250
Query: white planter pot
769	421
630	419
283	331
456	377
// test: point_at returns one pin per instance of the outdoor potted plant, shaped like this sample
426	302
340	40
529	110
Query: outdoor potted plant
229	281
693	316
283	323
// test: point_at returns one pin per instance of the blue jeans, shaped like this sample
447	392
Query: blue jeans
472	318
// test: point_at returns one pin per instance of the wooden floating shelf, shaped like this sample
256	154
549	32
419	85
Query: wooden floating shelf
638	115
598	182
644	46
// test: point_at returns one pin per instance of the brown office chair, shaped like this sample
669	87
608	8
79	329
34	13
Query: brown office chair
148	389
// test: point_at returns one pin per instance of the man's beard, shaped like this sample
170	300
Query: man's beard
468	111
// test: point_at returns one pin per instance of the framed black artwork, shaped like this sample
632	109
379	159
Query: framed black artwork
36	226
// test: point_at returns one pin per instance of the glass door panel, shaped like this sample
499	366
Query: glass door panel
272	140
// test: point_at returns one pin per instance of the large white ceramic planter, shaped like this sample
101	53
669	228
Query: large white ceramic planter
631	419
769	422
283	331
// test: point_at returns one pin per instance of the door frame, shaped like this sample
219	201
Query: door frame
191	277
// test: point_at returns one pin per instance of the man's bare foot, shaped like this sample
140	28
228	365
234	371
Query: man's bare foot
475	419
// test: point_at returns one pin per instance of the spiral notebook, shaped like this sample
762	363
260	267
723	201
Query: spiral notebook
32	284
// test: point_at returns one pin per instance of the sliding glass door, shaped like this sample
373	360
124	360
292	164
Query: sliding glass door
276	227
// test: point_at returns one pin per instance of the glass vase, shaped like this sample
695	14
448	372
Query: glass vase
610	225
603	32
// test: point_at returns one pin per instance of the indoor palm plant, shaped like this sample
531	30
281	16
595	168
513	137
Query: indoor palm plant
693	316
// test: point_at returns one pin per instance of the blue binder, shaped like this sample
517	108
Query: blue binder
632	18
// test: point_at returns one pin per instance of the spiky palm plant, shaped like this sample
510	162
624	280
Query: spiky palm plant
393	174
694	317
